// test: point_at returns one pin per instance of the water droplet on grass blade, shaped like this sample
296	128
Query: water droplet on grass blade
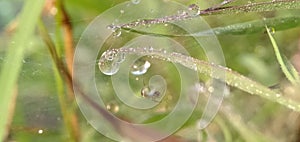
156	88
194	10
140	67
109	62
108	67
272	30
135	1
117	32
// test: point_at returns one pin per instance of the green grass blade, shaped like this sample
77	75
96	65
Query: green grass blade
250	27
256	26
10	69
287	68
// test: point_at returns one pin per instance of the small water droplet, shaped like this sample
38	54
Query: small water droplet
122	11
181	13
135	1
194	10
112	107
156	88
40	131
272	30
140	67
117	32
210	89
149	93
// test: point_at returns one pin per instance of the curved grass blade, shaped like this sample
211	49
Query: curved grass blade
287	68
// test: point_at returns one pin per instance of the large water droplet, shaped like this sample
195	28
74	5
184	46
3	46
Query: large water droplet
135	1
140	67
108	67
109	62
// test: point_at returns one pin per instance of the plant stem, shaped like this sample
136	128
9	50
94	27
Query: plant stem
67	111
252	7
255	7
11	68
216	71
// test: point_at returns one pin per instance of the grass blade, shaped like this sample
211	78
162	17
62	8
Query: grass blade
287	68
250	27
10	69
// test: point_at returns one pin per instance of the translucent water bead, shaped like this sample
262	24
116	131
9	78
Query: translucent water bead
109	62
135	1
140	67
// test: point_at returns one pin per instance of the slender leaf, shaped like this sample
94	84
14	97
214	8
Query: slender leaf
288	69
250	27
10	69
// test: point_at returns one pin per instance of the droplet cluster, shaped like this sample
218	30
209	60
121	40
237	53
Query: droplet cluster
110	60
193	10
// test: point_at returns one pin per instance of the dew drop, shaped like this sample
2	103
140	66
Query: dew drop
112	107
210	89
117	32
108	67
40	131
156	88
149	93
122	11
135	1
140	67
194	10
110	60
272	30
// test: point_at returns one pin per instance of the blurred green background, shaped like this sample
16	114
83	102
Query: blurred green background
38	114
